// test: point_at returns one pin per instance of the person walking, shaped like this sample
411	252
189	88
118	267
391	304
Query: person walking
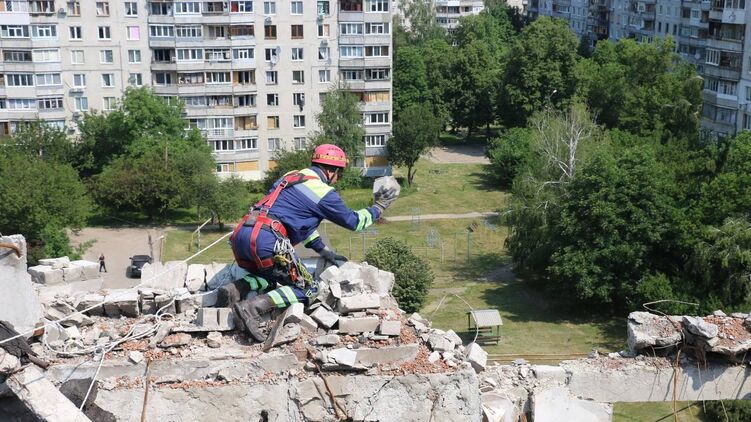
102	265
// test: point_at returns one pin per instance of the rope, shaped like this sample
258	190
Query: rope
477	329
113	297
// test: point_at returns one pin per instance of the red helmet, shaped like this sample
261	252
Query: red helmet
329	154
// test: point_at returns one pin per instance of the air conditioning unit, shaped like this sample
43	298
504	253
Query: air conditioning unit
62	12
267	20
173	59
75	90
76	114
324	43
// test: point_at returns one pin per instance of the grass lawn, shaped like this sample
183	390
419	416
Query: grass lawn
658	412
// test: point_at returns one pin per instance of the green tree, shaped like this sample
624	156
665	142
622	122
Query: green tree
287	160
340	122
474	72
509	154
541	70
420	16
727	194
38	139
413	275
414	133
438	57
728	410
410	78
228	199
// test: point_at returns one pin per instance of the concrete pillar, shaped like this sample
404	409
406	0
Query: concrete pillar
42	398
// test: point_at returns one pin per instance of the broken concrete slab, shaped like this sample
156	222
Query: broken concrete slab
557	404
359	302
327	340
195	278
342	356
439	343
377	281
390	328
355	325
91	304
41	397
647	330
122	302
325	317
22	308
477	357
89	269
73	273
281	334
451	335
57	263
699	327
550	372
43	274
295	313
167	276
387	355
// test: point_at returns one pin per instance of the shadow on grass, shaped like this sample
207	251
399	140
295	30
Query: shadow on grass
484	180
106	218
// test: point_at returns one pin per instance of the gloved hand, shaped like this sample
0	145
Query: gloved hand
384	197
331	256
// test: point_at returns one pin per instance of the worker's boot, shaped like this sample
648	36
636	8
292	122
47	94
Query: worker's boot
231	293
248	315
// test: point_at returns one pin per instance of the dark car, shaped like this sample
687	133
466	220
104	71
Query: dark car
136	264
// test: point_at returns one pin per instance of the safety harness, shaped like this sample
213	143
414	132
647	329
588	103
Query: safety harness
258	218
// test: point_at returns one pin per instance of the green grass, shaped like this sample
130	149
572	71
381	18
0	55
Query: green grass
658	412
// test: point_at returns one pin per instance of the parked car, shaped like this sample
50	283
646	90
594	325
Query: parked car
136	264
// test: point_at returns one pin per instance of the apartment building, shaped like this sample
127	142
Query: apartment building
252	73
448	12
708	33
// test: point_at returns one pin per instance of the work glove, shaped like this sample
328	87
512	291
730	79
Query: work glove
384	197
331	256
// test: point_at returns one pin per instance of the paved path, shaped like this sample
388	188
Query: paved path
442	216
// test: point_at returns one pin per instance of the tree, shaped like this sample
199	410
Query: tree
438	56
541	71
474	72
413	275
38	139
228	199
414	133
410	78
509	154
340	122
419	15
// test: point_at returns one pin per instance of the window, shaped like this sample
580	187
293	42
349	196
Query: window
79	80
160	8
350	29
161	31
323	53
246	77
217	32
323	30
350	51
19	79
296	8
14	31
17	56
271	55
300	143
243	53
134	56
297	32
298	76
298	99
131	8
272	122
218	54
272	99
48	79
218	78
76	33
271	77
324	76
275	144
22	104
108	80
351	74
269	8
187	8
135	79
242	31
376	5
81	104
106	56
47	55
109	103
44	31
381	28
76	57
102	8
269	32
225	167
245	6
219	101
375	140
104	33
199	101
189	54
297	53
377	74
350	5
191	31
376	118
246	143
377	51
298	121
133	33
323	7
161	55
74	8
248	100
713	57
162	78
191	78
222	145
376	97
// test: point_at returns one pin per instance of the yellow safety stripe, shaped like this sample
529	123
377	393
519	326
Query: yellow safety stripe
317	187
277	299
289	293
364	219
313	236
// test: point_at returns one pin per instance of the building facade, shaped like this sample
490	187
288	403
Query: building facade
448	12
710	34
252	73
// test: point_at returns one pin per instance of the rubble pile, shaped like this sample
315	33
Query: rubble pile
725	336
61	276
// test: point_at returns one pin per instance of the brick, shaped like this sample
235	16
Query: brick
359	302
349	325
325	317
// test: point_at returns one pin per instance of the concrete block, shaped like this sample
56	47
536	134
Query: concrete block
72	273
327	340
451	335
167	276
649	330
331	273
166	302
359	302
126	301
42	398
57	263
325	317
557	404
281	334
215	319
90	269
434	357
477	357
550	372
44	274
225	319
217	275
350	325
439	343
296	314
376	280
195	278
699	327
93	301
342	356
387	355
390	328
352	287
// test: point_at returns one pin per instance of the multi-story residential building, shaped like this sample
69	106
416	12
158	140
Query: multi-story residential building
708	33
252	73
448	12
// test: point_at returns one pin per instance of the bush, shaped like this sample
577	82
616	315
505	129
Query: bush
508	154
728	410
413	274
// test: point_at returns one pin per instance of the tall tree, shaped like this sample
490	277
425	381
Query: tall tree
420	22
414	133
340	122
410	78
38	139
475	71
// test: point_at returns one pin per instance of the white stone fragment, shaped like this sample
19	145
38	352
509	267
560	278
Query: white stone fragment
477	357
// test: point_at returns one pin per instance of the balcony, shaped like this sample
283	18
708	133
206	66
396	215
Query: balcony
218	133
726	44
723	72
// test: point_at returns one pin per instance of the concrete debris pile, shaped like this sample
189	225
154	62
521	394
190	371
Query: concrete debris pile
726	336
61	276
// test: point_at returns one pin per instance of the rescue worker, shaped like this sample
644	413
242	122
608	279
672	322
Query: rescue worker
263	242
